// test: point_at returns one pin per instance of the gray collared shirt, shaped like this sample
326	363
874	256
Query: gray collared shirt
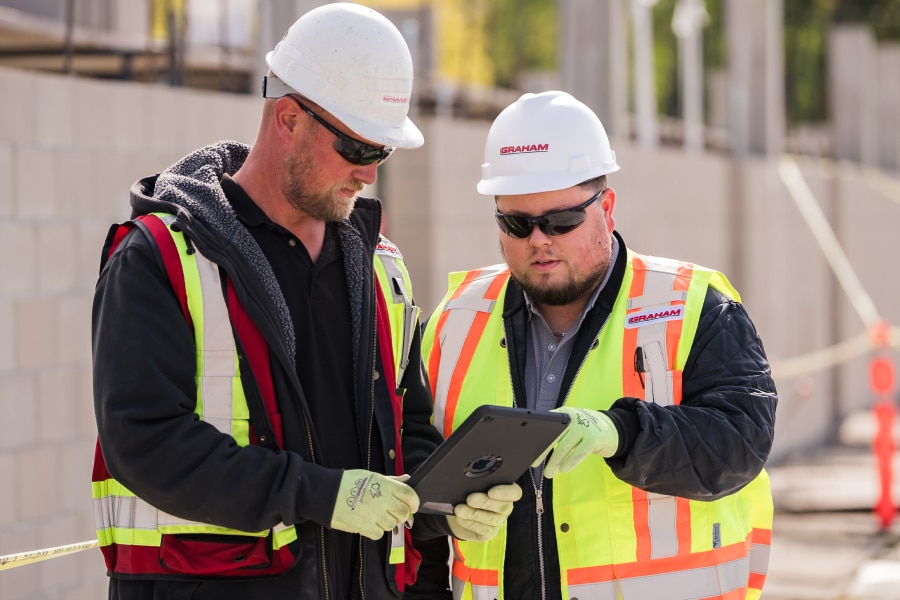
547	357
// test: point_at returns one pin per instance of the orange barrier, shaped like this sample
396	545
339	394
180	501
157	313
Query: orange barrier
882	379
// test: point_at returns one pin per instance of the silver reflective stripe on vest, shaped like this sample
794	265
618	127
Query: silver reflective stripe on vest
608	590
485	592
398	286
651	338
652	342
661	521
124	512
455	330
218	359
705	582
457	585
217	368
479	592
759	558
400	295
397	554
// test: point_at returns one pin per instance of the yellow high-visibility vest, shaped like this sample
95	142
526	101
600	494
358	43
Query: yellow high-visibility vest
130	530
614	540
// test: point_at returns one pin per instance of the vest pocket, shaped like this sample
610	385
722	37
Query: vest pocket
210	554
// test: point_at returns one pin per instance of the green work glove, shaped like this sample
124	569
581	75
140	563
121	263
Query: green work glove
481	517
371	503
589	432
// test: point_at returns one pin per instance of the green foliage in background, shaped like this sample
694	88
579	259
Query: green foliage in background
521	35
806	24
883	15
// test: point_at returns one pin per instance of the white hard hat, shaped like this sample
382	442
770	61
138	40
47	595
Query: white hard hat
544	142
353	62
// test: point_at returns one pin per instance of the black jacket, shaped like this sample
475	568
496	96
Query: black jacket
714	443
144	387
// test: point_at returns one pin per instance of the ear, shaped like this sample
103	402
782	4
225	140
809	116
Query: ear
285	117
608	204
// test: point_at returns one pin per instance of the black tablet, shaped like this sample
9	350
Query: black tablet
494	445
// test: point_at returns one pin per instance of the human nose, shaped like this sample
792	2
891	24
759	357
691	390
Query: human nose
366	173
538	237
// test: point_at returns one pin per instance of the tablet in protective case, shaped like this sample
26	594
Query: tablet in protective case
494	445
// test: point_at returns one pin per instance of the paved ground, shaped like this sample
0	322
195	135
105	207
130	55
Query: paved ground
827	543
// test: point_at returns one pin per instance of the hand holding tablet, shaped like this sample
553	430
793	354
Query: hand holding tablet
493	446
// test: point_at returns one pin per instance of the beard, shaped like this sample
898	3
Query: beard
541	290
329	206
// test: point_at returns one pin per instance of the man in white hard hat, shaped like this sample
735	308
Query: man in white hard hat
656	489
256	422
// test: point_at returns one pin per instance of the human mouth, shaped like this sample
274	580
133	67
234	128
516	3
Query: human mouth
350	191
544	264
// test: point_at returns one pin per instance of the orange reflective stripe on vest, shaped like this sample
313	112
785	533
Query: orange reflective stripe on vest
469	313
635	544
653	328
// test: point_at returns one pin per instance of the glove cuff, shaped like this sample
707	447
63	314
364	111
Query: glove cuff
610	440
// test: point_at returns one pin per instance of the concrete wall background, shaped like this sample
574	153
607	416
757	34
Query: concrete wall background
70	149
735	216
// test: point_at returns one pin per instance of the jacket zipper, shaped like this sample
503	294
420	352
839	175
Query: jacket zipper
539	510
324	563
362	564
538	492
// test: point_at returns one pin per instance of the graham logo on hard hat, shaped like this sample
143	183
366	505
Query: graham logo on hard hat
527	148
517	155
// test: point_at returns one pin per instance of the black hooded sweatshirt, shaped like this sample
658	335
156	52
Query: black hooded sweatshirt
145	391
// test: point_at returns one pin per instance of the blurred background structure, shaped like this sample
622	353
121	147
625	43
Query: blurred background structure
758	137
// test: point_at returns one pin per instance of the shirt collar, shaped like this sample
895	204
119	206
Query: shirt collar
244	206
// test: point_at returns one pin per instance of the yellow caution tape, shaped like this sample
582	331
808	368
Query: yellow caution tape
24	558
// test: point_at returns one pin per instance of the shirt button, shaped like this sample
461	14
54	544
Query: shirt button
292	242
564	527
391	454
551	347
375	375
551	378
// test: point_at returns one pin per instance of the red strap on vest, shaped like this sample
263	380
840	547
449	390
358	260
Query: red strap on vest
252	341
257	352
169	253
405	573
386	349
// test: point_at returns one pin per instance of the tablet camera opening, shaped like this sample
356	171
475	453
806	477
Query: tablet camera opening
483	465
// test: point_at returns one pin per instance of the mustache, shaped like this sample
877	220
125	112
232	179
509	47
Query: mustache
355	185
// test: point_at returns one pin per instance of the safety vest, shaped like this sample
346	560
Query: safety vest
614	541
138	539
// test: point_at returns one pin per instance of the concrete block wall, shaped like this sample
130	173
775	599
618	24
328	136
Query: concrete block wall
853	88
69	151
736	216
434	212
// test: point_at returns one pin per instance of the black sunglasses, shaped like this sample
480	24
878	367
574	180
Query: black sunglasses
350	149
556	222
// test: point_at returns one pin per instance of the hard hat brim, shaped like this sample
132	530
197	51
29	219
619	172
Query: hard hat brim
516	184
